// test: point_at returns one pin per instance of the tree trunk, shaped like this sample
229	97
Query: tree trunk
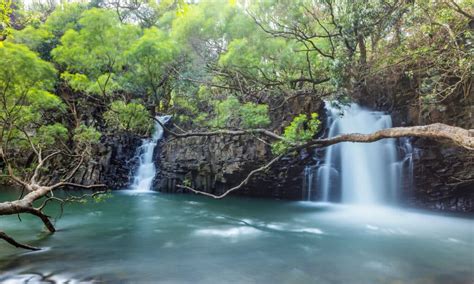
362	49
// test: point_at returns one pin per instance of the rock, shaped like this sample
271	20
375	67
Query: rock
215	164
113	162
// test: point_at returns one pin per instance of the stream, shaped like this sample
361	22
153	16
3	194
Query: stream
160	238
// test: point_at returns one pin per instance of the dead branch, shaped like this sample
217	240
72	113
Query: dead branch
438	131
238	132
71	184
240	185
458	9
36	191
14	243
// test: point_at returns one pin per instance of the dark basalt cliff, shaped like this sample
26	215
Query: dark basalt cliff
215	164
443	173
112	162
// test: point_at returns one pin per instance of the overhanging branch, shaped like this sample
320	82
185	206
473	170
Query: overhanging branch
438	131
14	243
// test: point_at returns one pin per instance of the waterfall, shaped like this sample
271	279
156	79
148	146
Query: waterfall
309	180
362	173
146	171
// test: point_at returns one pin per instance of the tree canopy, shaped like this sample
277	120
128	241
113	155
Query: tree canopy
74	72
113	66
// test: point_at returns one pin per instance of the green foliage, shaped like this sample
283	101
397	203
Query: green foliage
301	129
148	61
77	81
437	50
188	106
5	12
86	135
95	51
226	112
230	113
254	115
63	18
102	197
204	25
27	79
48	135
221	64
42	38
29	110
37	39
131	117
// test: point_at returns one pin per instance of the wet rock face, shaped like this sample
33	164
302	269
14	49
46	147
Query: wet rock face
444	177
443	173
113	162
215	164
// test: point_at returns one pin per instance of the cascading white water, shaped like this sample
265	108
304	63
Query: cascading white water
309	180
362	173
145	174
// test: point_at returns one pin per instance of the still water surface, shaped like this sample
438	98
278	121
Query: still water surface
157	238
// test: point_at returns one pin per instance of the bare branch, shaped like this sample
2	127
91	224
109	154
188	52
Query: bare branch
243	183
33	147
239	132
68	199
14	243
458	9
43	218
41	163
71	184
461	137
74	171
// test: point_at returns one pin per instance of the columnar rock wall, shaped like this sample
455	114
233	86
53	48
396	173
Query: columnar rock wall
112	163
215	164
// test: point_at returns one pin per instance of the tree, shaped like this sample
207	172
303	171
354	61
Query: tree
225	67
93	56
31	133
131	117
5	23
44	37
149	66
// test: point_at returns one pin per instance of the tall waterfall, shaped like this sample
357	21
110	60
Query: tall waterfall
363	173
145	174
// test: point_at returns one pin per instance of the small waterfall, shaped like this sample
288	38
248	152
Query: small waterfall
309	180
146	171
405	165
362	173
